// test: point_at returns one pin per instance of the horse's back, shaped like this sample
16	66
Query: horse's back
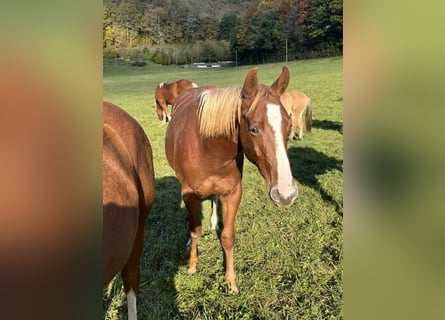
295	101
286	100
128	186
185	84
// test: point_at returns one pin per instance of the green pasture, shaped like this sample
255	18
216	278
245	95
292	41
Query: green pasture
288	261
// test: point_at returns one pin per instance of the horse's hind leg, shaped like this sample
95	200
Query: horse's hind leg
193	204
214	217
293	127
131	273
300	126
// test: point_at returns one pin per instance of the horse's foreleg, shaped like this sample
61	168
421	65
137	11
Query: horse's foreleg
229	206
193	204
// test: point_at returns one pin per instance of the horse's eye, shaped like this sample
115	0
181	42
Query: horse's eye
254	130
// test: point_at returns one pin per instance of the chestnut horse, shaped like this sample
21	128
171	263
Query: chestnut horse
128	195
295	102
205	144
166	93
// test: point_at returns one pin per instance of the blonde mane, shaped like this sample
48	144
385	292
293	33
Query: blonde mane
219	109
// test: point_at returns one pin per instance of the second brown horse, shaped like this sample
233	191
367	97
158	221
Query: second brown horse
166	93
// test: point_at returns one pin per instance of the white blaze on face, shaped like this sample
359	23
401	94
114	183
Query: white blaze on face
285	180
131	305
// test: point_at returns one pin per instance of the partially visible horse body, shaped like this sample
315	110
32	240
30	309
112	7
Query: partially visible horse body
205	143
296	102
128	195
166	94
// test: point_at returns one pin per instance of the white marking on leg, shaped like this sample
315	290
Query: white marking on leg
214	218
131	305
285	179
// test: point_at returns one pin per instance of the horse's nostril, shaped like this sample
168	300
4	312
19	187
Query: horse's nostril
280	200
275	194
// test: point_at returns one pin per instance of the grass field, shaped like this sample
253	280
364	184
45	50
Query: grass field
288	261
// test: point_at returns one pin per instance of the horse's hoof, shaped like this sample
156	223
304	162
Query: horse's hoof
191	270
234	290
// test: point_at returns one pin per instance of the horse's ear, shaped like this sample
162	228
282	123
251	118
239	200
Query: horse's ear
250	87
280	85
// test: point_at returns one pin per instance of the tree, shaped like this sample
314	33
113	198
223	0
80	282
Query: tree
229	28
325	23
263	38
151	25
256	28
191	29
129	18
208	27
174	22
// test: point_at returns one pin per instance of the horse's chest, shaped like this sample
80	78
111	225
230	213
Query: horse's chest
204	184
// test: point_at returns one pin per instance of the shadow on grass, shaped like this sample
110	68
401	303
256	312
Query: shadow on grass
307	163
328	125
166	235
165	250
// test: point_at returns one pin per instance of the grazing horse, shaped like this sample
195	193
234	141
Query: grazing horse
166	94
205	144
128	195
295	103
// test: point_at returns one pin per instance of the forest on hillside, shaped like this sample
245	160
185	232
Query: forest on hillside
251	31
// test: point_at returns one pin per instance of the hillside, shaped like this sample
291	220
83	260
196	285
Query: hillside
258	30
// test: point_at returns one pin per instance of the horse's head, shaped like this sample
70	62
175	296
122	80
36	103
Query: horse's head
264	127
160	112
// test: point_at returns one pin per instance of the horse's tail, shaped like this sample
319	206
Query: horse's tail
308	116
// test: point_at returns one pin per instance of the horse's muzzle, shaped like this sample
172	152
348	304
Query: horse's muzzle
284	196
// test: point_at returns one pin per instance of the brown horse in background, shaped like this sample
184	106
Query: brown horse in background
128	195
205	144
295	103
166	93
